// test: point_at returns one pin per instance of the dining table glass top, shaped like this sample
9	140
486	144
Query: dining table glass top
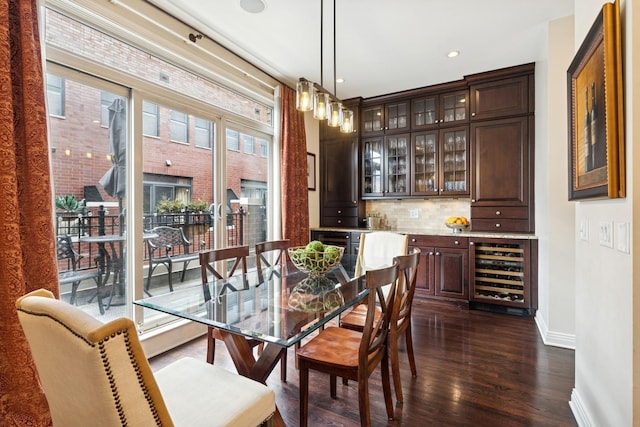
279	304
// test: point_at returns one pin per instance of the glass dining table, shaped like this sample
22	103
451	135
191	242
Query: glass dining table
279	306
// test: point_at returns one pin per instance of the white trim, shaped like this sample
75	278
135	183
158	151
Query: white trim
556	339
580	412
158	340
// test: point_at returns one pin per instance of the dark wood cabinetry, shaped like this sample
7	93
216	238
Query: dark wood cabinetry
393	116
349	240
443	271
440	109
339	176
503	273
502	150
386	168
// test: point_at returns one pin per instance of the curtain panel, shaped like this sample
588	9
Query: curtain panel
27	251
295	194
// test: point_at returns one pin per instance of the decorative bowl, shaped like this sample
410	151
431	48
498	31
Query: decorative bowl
457	228
316	263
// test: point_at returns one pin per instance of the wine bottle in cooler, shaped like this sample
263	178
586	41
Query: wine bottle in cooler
587	133
593	120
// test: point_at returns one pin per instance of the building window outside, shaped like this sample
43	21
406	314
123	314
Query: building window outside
249	144
55	95
233	140
264	147
150	119
203	132
178	126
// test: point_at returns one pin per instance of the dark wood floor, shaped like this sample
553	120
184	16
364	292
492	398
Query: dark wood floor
475	368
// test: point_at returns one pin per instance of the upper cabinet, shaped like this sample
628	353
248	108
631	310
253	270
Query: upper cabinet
435	110
501	98
390	117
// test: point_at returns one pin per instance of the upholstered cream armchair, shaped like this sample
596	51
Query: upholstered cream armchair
96	374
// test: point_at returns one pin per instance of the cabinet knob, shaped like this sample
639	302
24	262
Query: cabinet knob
430	253
473	200
441	190
473	114
355	202
471	243
456	242
347	236
413	240
437	253
497	225
339	211
498	212
339	221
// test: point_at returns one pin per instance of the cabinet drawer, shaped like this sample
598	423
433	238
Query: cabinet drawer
500	212
341	211
438	241
339	221
500	225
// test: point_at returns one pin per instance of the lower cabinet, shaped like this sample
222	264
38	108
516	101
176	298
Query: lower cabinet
504	274
443	271
349	240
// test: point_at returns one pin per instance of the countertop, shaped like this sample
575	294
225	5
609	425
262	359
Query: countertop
437	232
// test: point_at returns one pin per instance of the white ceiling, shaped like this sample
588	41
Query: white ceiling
382	46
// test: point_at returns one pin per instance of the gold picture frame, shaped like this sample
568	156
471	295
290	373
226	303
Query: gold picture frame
596	126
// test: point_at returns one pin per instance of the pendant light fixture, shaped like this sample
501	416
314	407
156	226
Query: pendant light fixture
313	97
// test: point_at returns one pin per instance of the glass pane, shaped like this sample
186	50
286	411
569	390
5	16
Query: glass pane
89	181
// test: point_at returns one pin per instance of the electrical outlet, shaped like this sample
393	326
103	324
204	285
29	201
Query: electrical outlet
413	213
606	234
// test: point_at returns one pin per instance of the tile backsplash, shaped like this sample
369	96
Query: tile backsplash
431	214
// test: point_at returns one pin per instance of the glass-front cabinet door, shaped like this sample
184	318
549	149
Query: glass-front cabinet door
372	182
454	164
455	107
373	120
424	112
397	116
397	165
424	160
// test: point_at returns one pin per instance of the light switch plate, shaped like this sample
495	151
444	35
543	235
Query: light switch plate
622	237
583	232
606	234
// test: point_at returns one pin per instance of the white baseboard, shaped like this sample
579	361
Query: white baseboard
579	410
555	339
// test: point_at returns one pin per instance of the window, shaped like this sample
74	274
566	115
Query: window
233	140
55	95
249	144
264	147
203	132
150	119
157	187
178	126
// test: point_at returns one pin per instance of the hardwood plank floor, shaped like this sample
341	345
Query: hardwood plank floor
475	368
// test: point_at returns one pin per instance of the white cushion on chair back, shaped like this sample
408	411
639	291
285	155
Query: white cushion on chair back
378	248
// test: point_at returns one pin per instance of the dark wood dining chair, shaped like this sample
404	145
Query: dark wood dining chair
400	323
234	257
270	254
351	354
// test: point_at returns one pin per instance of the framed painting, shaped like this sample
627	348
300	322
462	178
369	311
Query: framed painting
596	127
311	171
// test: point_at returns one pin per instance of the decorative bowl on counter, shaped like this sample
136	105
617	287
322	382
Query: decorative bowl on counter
315	262
457	228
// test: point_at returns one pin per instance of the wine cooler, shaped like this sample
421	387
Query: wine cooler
501	273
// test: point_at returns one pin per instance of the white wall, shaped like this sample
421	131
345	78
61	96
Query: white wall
312	131
554	214
603	393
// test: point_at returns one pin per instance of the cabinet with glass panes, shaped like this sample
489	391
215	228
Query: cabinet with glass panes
387	166
437	110
439	162
387	117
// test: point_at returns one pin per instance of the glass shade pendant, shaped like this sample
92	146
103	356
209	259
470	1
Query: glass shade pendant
304	95
347	121
335	114
320	105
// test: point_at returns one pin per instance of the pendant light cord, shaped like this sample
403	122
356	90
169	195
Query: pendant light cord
321	41
335	91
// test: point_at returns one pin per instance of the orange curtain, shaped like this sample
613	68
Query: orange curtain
295	194
27	252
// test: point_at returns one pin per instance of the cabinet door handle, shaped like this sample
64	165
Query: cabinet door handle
347	236
437	253
355	202
339	221
430	253
413	240
498	212
498	225
339	212
471	243
473	200
456	242
473	114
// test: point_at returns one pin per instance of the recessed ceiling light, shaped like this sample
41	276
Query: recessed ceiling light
253	6
453	53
